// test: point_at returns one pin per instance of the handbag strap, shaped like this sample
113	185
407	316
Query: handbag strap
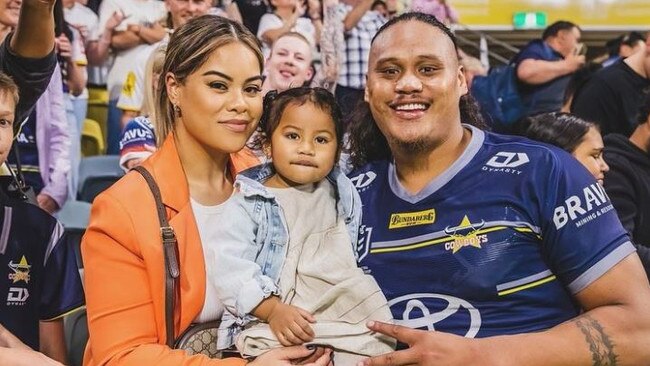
169	248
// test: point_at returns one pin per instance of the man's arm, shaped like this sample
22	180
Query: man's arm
52	340
34	35
354	16
613	330
125	39
531	71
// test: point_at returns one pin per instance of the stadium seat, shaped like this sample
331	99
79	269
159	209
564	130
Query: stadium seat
92	139
98	107
96	173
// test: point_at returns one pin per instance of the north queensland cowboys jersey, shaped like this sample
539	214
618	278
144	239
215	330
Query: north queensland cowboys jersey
497	244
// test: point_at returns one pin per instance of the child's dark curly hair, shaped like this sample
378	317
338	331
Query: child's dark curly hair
275	103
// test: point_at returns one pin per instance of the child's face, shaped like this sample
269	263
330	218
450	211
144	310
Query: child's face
303	146
7	107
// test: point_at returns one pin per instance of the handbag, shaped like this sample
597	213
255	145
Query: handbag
198	338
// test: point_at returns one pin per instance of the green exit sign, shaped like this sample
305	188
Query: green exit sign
529	20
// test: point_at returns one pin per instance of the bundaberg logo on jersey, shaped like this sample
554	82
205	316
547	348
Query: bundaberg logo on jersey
21	270
407	219
466	234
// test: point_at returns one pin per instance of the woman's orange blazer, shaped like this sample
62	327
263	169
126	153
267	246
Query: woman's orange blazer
123	265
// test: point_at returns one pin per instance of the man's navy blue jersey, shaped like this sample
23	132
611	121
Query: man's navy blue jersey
497	244
39	279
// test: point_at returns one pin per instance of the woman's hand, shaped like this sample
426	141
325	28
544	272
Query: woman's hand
292	356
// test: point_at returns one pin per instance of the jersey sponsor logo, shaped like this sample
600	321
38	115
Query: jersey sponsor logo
129	85
21	270
363	180
17	296
505	159
407	219
363	244
465	235
584	208
414	305
505	162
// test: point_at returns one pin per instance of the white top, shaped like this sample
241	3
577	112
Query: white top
271	21
80	15
206	217
141	12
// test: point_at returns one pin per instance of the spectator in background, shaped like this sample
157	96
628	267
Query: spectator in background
545	65
360	25
72	61
290	63
138	32
441	9
611	98
331	41
138	140
624	46
132	95
571	134
287	16
628	182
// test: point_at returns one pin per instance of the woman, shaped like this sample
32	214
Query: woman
210	103
578	137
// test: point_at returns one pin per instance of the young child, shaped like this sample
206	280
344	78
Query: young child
284	265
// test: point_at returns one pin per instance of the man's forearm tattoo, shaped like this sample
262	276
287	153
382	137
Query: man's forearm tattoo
600	345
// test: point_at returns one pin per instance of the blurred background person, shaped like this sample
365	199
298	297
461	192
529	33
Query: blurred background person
628	182
572	134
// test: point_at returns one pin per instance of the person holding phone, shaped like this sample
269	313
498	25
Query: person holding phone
545	66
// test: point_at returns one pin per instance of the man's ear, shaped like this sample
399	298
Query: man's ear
462	81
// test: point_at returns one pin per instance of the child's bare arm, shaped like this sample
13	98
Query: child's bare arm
289	324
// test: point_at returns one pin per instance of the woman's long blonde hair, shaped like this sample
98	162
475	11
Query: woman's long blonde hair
189	48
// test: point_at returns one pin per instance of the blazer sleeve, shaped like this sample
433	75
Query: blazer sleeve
121	312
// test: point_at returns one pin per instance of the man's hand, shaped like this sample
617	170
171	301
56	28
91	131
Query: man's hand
425	348
290	324
574	62
47	203
116	19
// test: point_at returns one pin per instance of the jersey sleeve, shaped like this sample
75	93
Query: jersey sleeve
62	291
582	238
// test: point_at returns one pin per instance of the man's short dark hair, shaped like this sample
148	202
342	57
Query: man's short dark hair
555	28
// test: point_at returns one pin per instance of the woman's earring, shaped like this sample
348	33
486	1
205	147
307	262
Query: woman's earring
177	110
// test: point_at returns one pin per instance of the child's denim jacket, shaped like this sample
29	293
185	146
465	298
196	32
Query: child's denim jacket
250	257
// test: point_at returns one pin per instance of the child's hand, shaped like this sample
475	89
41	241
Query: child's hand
290	324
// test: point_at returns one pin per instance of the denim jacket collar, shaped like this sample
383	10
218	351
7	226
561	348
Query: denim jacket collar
251	183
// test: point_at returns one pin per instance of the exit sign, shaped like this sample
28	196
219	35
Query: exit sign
529	20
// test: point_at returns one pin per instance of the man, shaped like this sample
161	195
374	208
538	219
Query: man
289	63
628	181
27	54
613	95
474	234
360	25
40	279
545	65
